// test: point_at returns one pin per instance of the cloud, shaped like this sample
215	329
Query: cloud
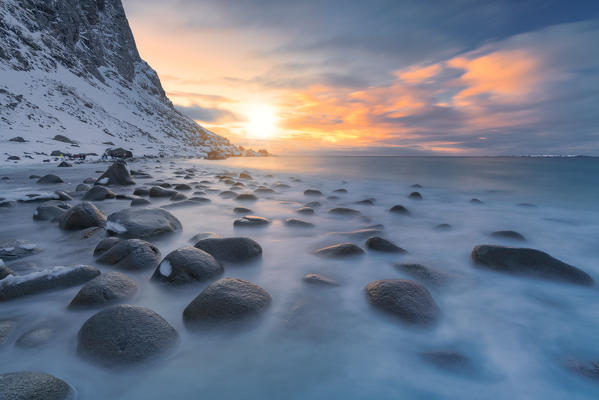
210	115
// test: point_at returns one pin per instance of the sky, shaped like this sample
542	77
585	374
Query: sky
381	77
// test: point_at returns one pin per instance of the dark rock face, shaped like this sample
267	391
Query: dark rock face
123	335
423	273
50	178
233	249
33	386
312	192
50	279
116	174
528	262
143	223
158	191
340	250
129	254
512	235
377	243
107	288
225	300
81	216
298	223
98	193
407	300
250	221
183	187
17	248
186	265
343	211
399	209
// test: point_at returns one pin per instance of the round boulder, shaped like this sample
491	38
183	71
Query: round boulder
250	221
142	223
377	243
81	216
99	193
340	250
50	178
106	288
186	265
116	174
233	249
124	335
157	191
33	386
129	254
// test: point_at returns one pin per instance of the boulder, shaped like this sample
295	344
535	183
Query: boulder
318	279
98	193
312	192
141	192
298	223
82	187
528	262
250	221
305	210
48	213
241	210
343	211
17	248
246	197
27	385
399	209
186	265
340	250
128	254
81	216
37	337
123	335
423	273
233	249
227	299
158	191
107	288
50	178
18	139
140	202
511	235
377	243
182	187
116	174
245	175
415	196
49	279
143	223
64	139
407	300
227	194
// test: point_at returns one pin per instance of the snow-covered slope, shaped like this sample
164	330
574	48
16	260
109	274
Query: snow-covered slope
71	68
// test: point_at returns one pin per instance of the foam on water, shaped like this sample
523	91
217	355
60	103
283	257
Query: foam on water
319	342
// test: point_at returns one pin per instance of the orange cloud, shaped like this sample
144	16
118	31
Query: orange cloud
418	74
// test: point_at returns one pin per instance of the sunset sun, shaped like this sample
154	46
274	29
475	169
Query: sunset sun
262	121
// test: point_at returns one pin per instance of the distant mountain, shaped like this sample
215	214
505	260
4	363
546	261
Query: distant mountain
71	68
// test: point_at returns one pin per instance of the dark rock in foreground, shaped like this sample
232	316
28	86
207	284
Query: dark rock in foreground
225	300
528	262
116	174
55	278
33	386
340	250
377	243
106	288
407	300
123	335
233	249
81	216
186	265
129	254
142	223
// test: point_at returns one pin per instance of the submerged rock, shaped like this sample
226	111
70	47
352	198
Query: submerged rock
312	192
17	248
116	174
129	254
123	335
423	273
186	265
106	288
305	210
512	235
528	262
251	221
407	300
82	187
158	191
50	178
246	197
99	193
318	279
225	300
415	196
37	337
377	243
399	209
33	386
241	210
298	223
142	223
339	250
233	249
447	360
81	216
49	279
343	211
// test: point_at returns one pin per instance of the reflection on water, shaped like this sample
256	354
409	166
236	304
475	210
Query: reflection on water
326	342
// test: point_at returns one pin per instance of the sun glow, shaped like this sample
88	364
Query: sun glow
262	122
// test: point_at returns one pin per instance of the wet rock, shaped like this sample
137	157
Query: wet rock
204	235
141	192
36	337
244	175
13	158
416	186
81	216
82	187
142	223
227	194
343	211
476	201
182	187
233	249
528	262
105	244
313	204
129	254
250	221
186	265
107	288
49	279
365	202
339	250
281	186
357	234
89	181
415	196
140	202
158	191
423	273
305	210
116	174
399	209
17	248
377	243
48	213
50	178
225	300
447	360
512	235
241	210
264	190
341	190
298	223
318	279
33	386
122	335
99	193
178	197
312	192
407	300
246	197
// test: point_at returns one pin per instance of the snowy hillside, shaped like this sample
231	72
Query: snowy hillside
71	68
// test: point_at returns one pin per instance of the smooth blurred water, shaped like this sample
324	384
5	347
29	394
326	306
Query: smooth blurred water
317	343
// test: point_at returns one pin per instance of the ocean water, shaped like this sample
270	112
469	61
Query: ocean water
327	342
